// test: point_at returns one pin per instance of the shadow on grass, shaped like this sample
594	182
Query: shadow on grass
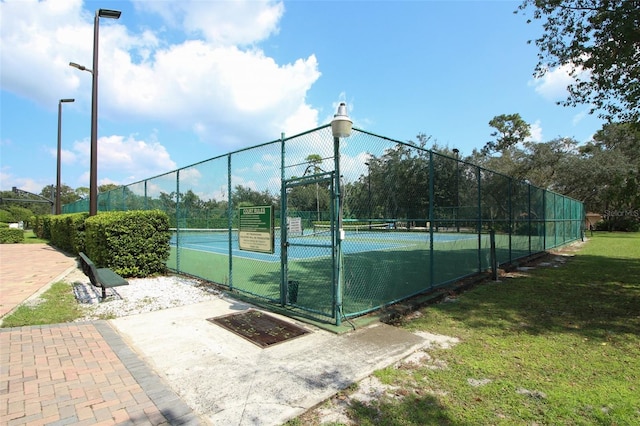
592	296
412	410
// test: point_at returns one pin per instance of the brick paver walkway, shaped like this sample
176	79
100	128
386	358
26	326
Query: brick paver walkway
81	374
25	269
76	373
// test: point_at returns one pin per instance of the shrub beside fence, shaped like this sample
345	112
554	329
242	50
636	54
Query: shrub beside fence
67	231
133	243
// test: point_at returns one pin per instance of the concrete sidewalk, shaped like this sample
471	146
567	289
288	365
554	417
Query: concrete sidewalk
175	367
230	381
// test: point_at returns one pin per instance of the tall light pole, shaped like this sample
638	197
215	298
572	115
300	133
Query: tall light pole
340	128
60	102
93	178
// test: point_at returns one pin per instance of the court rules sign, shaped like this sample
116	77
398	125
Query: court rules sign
255	232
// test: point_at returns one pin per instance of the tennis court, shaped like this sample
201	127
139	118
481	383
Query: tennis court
356	241
438	212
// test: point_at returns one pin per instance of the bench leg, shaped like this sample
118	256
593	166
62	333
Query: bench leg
104	293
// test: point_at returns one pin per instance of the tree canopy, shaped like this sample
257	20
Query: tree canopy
511	129
599	42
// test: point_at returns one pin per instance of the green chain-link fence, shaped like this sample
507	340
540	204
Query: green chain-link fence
412	220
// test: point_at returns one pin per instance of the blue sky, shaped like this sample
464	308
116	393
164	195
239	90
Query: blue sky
181	82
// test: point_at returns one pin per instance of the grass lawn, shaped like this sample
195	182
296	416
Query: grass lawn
56	305
554	345
30	238
559	345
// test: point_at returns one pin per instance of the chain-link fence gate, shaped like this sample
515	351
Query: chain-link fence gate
308	254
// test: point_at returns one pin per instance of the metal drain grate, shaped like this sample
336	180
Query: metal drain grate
259	328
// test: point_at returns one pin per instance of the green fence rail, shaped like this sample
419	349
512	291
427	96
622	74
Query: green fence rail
413	220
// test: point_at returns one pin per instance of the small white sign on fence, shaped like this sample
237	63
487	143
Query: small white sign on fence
294	225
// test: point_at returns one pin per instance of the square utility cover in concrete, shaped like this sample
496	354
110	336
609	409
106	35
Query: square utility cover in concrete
259	328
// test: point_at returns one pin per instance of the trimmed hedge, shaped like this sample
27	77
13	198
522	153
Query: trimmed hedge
42	227
11	235
67	231
132	243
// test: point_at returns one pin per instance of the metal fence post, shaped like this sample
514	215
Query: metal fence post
338	232
544	219
431	219
283	227
494	259
178	221
479	221
529	214
230	221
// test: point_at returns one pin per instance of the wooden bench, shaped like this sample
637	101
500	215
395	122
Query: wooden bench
100	277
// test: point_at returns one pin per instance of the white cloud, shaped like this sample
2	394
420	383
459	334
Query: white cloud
216	91
8	179
239	22
119	155
237	180
38	38
536	132
553	84
212	84
66	156
353	167
577	118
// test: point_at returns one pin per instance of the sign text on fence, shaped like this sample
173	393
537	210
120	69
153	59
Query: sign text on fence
256	229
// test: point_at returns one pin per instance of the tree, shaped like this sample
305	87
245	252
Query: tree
314	161
20	214
67	194
400	182
245	196
511	129
599	42
545	164
108	187
614	157
48	192
621	136
82	192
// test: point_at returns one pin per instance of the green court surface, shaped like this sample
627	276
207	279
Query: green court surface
376	271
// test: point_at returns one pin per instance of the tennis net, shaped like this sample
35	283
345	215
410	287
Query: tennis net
351	229
203	235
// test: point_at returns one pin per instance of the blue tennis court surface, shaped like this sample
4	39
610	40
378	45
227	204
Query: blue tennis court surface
309	247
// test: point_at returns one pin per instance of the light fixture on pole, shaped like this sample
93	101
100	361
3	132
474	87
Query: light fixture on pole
60	102
80	67
93	178
341	127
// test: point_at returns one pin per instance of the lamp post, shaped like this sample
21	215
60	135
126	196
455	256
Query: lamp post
369	189
340	128
60	102
456	151
93	178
